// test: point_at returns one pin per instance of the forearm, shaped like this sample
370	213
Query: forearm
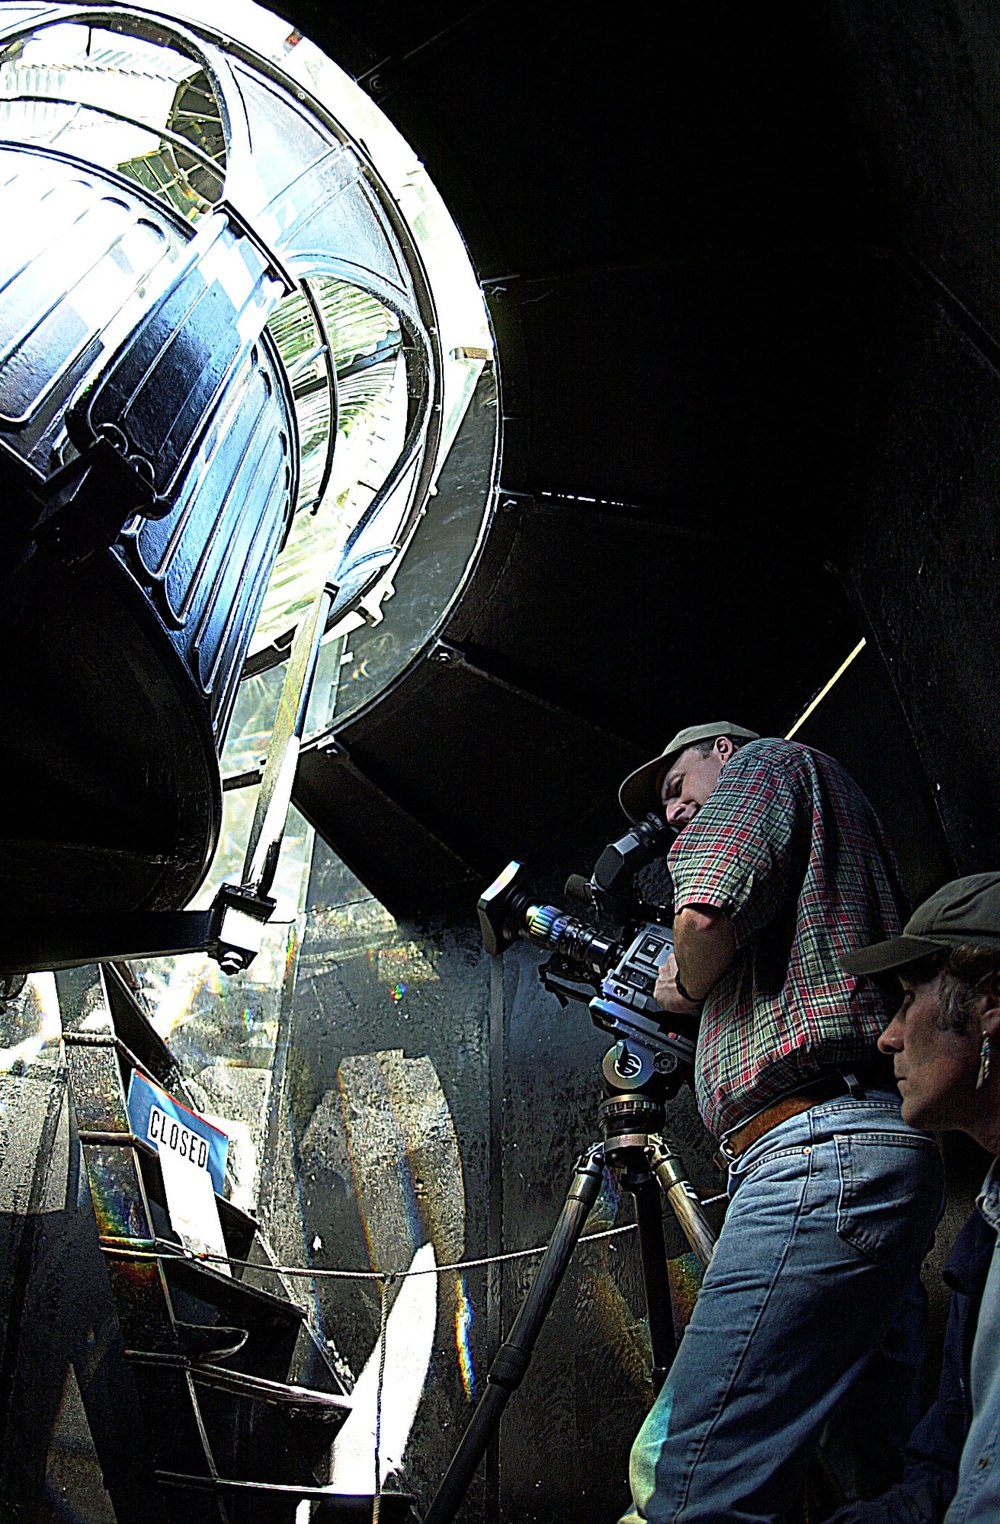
704	945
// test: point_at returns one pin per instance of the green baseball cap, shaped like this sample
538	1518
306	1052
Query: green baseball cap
638	794
965	911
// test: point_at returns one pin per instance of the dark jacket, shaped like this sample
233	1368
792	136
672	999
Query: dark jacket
935	1447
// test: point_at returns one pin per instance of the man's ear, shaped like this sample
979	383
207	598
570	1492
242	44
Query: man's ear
989	1016
724	748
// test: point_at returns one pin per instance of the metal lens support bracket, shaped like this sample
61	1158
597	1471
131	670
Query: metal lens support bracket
239	915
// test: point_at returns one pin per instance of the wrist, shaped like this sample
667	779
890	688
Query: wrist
684	994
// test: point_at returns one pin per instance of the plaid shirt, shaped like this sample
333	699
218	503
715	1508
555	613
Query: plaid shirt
789	848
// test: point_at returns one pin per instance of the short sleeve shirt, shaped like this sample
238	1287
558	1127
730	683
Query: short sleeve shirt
788	847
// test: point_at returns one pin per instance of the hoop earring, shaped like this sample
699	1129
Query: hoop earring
984	1063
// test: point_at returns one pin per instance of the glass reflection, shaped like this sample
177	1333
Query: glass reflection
350	439
30	1026
225	1032
126	103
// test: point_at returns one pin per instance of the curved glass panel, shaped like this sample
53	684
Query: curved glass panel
333	328
122	102
422	252
386	335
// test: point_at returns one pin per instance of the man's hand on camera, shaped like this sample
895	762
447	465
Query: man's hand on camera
666	993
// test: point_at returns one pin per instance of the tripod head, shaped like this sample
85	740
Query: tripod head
634	1146
638	1080
627	1122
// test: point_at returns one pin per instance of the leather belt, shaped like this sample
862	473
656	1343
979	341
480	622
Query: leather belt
787	1106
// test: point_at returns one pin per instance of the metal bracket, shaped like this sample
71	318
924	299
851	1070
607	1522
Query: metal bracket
230	932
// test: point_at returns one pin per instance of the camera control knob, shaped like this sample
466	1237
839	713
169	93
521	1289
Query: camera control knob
627	1066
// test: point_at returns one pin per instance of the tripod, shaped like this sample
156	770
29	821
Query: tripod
631	1145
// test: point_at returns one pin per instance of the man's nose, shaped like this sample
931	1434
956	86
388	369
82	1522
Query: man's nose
673	811
891	1040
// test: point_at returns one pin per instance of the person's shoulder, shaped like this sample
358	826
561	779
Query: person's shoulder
968	1263
833	772
791	756
769	753
790	766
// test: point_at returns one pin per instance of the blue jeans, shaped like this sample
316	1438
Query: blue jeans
815	1277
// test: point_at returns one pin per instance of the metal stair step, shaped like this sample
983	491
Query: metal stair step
328	1507
329	1408
162	1300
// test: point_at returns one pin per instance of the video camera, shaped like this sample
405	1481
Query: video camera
615	975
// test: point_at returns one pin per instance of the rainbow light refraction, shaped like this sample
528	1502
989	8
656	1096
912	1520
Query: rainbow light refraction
116	1196
397	991
464	1319
685	1275
291	952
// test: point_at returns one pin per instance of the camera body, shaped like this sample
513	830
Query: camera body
630	983
614	975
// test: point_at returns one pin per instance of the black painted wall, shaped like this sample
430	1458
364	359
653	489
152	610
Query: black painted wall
922	563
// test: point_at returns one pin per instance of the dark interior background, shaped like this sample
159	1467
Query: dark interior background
742	277
741	264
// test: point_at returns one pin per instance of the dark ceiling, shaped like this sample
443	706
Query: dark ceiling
676	241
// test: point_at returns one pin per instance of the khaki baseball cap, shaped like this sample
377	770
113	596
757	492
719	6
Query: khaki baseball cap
965	911
638	794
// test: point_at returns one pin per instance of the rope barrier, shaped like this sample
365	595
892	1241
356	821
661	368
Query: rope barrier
207	1257
382	1327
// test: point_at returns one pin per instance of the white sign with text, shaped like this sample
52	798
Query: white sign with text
194	1211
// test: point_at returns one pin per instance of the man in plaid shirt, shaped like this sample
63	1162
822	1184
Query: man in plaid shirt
781	867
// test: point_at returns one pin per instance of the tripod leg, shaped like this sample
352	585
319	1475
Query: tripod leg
669	1170
656	1283
511	1362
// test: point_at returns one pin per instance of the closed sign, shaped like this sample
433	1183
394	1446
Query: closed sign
171	1127
165	1132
